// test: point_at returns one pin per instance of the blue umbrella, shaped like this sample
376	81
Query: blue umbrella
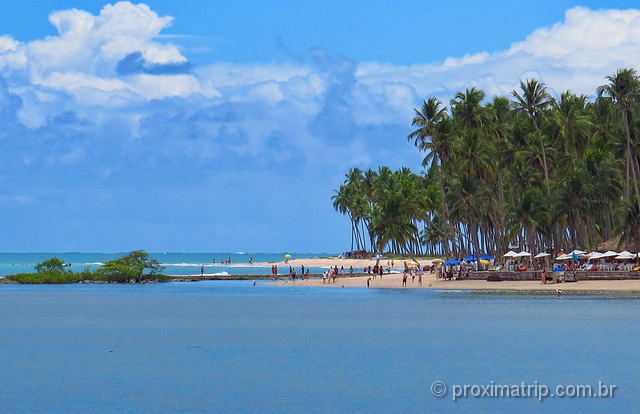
558	269
471	258
452	262
487	257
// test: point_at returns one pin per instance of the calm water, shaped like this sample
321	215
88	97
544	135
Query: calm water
175	263
231	347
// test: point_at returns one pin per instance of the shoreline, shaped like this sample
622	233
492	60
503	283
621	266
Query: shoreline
394	281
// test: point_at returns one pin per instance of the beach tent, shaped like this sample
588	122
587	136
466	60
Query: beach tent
541	255
471	258
510	253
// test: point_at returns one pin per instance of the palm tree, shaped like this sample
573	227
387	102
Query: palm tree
534	101
467	108
624	90
571	124
529	213
434	136
426	119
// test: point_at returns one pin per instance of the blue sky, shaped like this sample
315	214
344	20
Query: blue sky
226	126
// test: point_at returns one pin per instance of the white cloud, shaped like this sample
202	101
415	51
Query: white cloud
327	101
7	44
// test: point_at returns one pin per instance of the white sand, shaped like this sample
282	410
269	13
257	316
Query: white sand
429	282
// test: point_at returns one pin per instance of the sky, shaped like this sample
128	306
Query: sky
224	126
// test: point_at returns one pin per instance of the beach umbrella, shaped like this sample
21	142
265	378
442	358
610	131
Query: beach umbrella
471	258
523	254
565	257
625	256
590	255
452	262
558	269
578	252
288	256
510	253
484	261
610	253
487	257
596	256
540	255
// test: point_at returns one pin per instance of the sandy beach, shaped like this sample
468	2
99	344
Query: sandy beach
429	282
358	264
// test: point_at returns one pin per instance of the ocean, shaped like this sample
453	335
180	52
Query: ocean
230	347
176	264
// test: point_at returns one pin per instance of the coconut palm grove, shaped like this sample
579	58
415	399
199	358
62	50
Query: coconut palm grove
532	170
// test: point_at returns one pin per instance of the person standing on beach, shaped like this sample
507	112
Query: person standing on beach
404	280
293	275
325	275
202	270
302	272
420	279
350	271
368	280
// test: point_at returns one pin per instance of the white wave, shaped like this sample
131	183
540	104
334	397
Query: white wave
206	274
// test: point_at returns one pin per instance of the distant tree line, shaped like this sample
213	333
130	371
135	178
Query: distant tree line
541	172
135	267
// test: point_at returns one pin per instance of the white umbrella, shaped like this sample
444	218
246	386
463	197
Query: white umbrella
539	255
610	253
596	256
564	257
625	256
590	255
510	253
578	252
523	254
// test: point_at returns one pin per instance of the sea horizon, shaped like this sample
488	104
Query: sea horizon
175	263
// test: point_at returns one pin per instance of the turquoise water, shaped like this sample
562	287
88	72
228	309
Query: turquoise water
231	347
175	263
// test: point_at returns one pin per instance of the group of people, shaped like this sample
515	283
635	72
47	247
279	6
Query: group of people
293	274
377	270
332	273
225	261
405	276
